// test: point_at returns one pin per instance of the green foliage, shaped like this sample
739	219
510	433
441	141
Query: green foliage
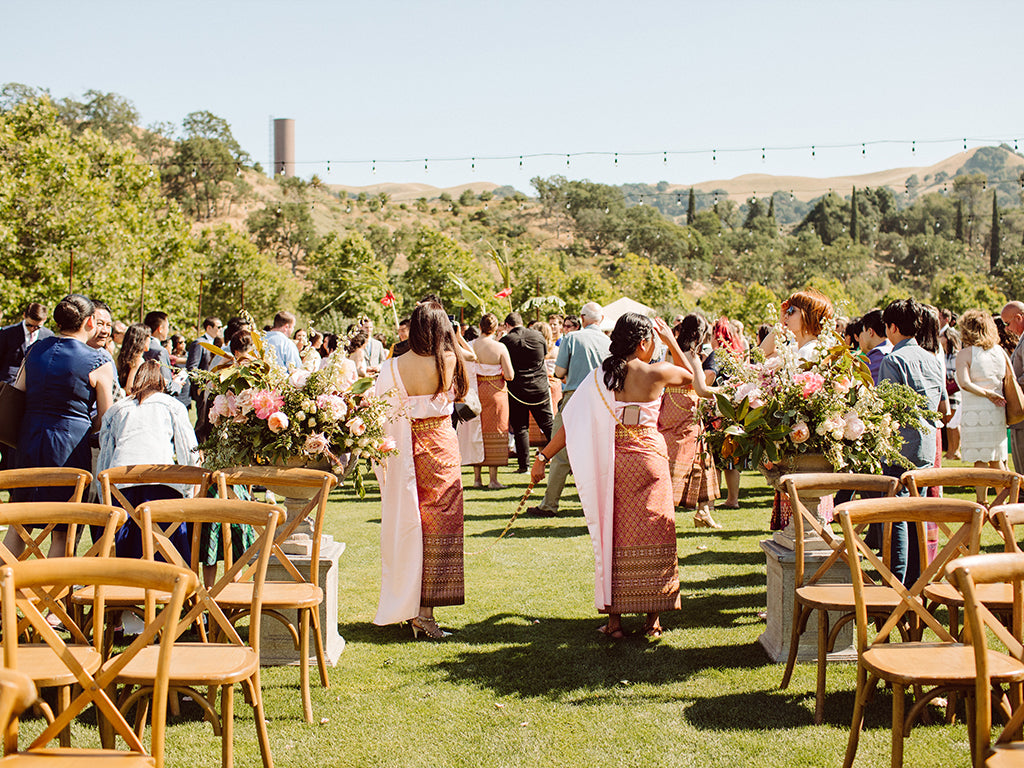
237	275
960	292
467	197
64	193
583	285
827	219
652	284
112	116
346	277
432	258
284	230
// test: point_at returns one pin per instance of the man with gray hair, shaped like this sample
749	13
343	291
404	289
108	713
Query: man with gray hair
578	355
1013	316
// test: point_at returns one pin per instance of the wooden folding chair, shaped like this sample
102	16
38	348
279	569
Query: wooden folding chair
129	599
944	664
302	595
207	664
968	574
95	683
17	693
1007	487
815	594
32	521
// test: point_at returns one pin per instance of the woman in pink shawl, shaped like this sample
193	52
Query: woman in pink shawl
619	458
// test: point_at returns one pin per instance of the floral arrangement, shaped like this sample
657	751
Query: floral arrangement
264	414
769	410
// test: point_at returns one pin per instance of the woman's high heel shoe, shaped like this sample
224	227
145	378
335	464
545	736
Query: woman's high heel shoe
428	627
703	519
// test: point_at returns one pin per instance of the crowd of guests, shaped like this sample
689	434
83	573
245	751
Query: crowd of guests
619	411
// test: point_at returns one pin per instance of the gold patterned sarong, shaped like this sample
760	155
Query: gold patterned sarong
439	488
493	419
645	568
694	479
536	436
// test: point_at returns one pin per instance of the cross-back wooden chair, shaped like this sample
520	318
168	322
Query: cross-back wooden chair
819	592
302	595
210	665
96	682
17	693
970	573
77	480
944	664
37	659
127	598
1007	487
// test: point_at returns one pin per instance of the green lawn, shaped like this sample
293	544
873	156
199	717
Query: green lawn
526	681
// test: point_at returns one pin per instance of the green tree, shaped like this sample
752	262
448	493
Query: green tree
64	193
346	277
959	292
854	231
284	230
691	208
206	125
651	284
235	270
433	258
585	285
827	218
994	236
109	114
467	197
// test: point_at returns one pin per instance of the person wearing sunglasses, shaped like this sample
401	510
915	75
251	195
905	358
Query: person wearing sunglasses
17	338
805	315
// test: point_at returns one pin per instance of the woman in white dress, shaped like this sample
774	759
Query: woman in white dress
980	368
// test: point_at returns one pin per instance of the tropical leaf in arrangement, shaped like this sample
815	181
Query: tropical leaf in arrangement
540	302
501	261
219	351
469	297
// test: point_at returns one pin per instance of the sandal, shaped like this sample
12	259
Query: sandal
614	634
654	632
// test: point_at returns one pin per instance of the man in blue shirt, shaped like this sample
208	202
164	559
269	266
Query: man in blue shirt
920	370
279	337
873	341
579	353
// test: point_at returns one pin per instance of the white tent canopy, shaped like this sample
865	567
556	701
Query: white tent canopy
619	307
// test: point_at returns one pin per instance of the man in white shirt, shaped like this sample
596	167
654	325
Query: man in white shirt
279	337
374	352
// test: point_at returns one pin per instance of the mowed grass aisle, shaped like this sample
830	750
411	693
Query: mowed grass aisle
525	680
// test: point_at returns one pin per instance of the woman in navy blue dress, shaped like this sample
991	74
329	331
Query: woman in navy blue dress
63	378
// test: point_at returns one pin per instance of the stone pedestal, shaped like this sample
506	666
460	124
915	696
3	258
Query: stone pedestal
780	567
276	645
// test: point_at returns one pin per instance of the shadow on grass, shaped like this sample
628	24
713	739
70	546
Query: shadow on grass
534	531
512	655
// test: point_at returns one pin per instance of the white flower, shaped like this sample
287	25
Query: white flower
298	378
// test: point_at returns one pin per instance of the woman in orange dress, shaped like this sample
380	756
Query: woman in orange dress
493	368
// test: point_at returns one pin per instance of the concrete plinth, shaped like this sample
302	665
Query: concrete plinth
276	645
781	562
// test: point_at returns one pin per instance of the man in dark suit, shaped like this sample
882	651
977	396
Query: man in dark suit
202	358
16	339
528	392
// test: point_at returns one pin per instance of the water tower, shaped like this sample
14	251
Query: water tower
284	147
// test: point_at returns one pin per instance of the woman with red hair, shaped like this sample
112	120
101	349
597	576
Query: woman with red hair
805	314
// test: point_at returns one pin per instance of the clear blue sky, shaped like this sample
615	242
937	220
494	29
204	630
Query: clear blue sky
389	80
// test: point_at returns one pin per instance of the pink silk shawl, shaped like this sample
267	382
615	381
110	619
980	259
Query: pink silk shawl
590	442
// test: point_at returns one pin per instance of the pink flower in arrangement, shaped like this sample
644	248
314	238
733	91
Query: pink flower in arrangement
748	389
356	426
855	427
812	382
315	444
387	444
266	402
842	384
333	406
800	432
224	406
772	364
277	422
243	402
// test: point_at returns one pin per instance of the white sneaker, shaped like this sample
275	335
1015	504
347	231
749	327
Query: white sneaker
131	624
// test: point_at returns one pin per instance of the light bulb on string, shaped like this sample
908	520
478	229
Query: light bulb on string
328	166
426	169
373	168
520	162
863	150
813	153
616	159
567	161
913	147
714	156
762	154
664	159
472	165
965	145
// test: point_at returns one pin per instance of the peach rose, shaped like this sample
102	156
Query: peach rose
356	426
800	432
277	422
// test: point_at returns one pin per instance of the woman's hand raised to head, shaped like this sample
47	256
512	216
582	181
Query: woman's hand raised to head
662	329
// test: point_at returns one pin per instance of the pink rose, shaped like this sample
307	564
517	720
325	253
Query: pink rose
333	406
773	363
749	389
386	445
244	401
223	406
265	402
277	422
842	384
298	378
812	382
356	426
855	427
800	432
315	444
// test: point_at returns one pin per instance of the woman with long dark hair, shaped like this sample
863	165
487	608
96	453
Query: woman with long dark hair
134	346
610	428
421	486
694	479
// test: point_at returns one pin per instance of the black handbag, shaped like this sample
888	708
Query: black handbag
12	408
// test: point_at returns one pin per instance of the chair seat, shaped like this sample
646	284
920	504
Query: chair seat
839	597
936	664
77	758
276	594
997	597
39	662
1006	756
116	597
194	664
